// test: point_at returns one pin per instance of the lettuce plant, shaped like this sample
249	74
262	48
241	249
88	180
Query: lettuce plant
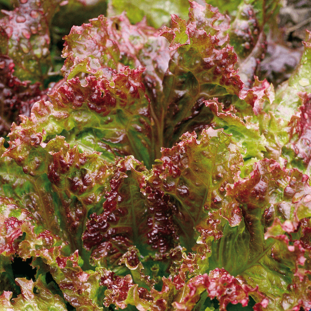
159	173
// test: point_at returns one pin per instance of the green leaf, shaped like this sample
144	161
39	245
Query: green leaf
199	43
156	12
287	99
35	296
112	117
194	173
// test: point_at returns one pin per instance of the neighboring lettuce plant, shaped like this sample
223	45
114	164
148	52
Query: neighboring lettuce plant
159	174
29	47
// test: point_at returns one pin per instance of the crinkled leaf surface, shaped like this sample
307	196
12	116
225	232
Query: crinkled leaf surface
154	178
287	98
16	97
24	36
35	296
110	116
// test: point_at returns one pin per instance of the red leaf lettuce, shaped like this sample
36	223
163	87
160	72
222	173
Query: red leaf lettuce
160	173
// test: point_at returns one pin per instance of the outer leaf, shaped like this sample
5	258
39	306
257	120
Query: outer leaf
67	186
10	227
111	43
273	130
298	150
108	42
118	227
243	132
80	288
287	98
24	37
16	97
35	296
222	285
195	173
114	116
218	283
247	35
273	193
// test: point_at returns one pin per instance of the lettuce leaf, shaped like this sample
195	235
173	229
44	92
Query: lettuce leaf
159	173
17	97
24	37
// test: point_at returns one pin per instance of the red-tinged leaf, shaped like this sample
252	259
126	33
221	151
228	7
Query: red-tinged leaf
5	300
243	132
112	115
80	288
177	35
118	227
24	33
84	175
10	232
259	96
289	251
274	131
265	179
292	291
35	244
58	197
247	36
299	296
261	197
207	18
179	293
278	192
245	30
122	291
16	97
117	288
287	100
198	44
160	228
26	193
124	45
192	177
220	284
298	148
35	296
198	224
138	45
274	203
115	38
108	44
82	45
11	220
